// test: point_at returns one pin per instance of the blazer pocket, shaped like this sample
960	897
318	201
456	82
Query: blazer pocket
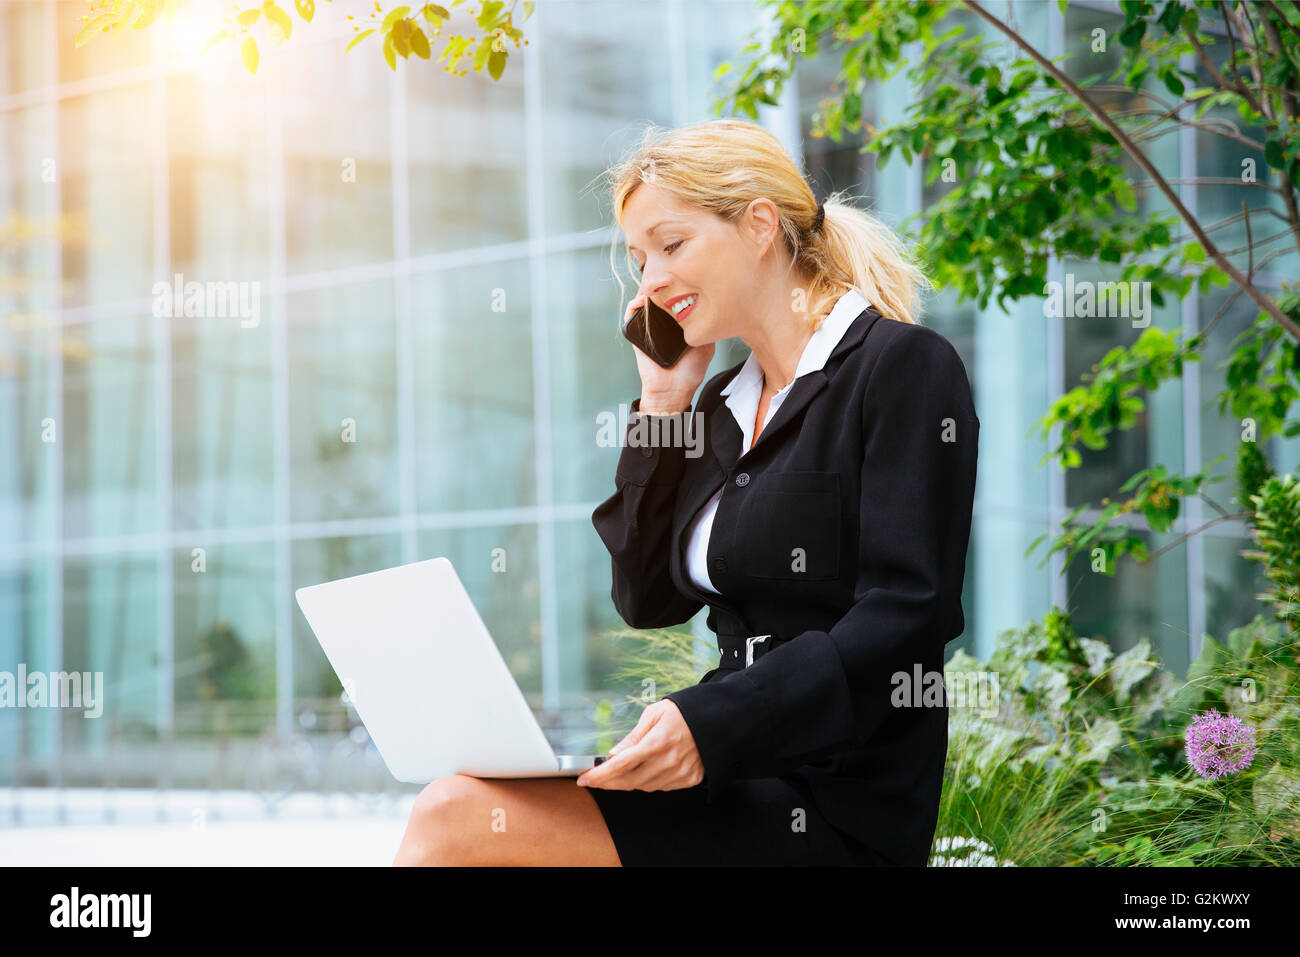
790	526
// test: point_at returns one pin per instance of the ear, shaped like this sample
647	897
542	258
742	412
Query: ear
761	223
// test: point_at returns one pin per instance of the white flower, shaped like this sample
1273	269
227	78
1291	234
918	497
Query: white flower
965	852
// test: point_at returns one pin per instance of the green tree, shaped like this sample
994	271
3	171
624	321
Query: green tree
1045	166
402	30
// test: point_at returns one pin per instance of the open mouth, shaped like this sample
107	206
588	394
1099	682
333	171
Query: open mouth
680	313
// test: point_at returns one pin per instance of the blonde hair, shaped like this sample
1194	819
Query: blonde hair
722	165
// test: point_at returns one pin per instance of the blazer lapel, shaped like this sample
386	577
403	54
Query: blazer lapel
807	387
724	438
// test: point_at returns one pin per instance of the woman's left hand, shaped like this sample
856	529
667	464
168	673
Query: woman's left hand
659	754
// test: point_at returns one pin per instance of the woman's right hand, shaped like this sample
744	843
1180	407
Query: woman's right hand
668	391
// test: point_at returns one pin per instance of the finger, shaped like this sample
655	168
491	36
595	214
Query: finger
647	721
658	772
609	773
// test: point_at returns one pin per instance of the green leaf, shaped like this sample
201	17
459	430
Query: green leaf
1131	36
1274	153
436	14
248	17
497	64
306	9
357	39
852	108
1172	16
248	53
1124	194
528	8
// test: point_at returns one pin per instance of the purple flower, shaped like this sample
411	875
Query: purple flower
1219	744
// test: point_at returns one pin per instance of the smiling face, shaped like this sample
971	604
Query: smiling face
687	251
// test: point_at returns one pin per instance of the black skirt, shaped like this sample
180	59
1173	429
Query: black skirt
753	823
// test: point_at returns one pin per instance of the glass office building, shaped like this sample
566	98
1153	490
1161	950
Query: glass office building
434	344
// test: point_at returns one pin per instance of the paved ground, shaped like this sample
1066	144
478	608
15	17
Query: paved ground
197	829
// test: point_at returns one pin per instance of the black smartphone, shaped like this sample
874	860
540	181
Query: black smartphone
656	333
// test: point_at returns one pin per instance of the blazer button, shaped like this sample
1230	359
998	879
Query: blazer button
742	479
719	564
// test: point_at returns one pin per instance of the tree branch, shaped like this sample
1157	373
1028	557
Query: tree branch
1229	220
1234	86
1162	115
1139	157
1196	531
1252	48
1211	181
1285	22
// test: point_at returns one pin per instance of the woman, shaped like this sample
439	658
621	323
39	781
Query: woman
831	553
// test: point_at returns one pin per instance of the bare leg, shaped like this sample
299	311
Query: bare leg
467	821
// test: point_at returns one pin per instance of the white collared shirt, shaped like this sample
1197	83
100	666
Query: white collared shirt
743	393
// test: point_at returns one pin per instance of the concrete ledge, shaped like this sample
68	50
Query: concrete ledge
198	829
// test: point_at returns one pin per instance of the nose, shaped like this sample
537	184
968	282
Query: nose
654	281
657	291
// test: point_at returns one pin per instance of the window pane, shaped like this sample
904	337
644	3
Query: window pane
1231	584
474	413
1141	599
467	161
110	608
109	428
337	163
22	48
218	174
1156	437
106	176
343	402
26	637
224	641
222	434
597	90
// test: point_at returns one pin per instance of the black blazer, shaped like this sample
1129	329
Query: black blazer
842	533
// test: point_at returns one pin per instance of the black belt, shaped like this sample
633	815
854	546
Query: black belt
737	651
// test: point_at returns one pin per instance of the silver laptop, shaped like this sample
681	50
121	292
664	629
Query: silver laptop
427	680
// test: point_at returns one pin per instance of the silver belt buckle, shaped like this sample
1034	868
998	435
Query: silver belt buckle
749	648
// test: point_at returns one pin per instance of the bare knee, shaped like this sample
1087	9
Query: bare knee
444	826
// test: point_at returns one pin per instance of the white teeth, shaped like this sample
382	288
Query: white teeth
682	305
